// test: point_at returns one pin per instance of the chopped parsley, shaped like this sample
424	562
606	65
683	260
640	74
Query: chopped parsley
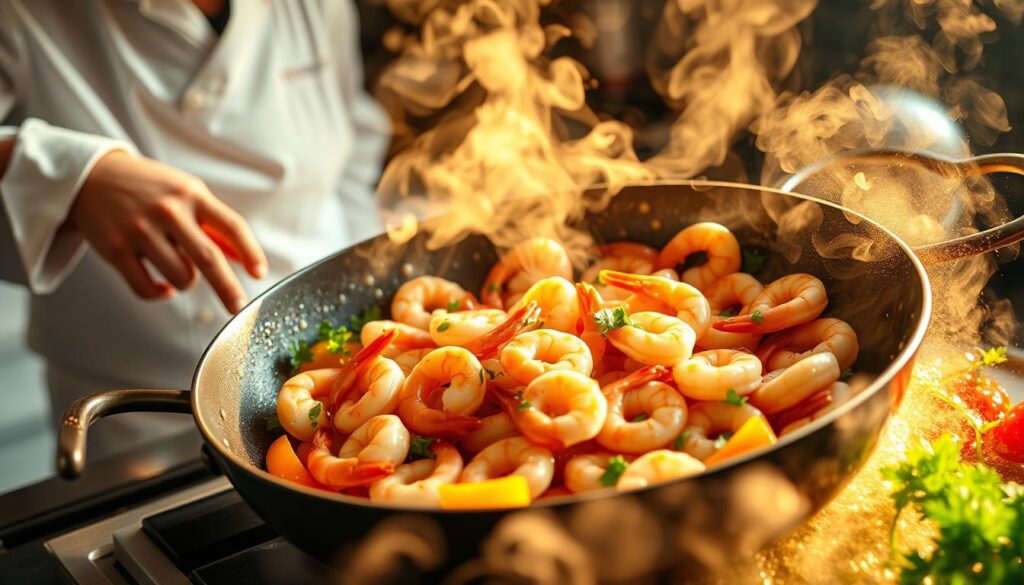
336	337
616	467
639	418
443	326
273	424
597	281
753	260
481	372
611	319
314	414
727	313
978	519
524	405
722	440
453	305
757	316
421	448
300	354
493	374
992	357
846	375
681	440
731	397
356	322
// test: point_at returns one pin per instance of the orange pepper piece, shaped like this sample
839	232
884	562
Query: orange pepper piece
754	434
284	463
505	492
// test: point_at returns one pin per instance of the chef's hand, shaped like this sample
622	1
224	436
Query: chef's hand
132	208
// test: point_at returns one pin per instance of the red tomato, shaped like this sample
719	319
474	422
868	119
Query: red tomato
1008	438
983	395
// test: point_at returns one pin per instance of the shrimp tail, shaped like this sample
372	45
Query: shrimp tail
346	381
634	283
804	409
637	378
769	347
487	344
490	292
436	423
513	406
768	321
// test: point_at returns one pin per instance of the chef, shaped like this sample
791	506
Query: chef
161	162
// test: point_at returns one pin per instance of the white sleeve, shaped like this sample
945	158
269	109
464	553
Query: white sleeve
372	128
45	171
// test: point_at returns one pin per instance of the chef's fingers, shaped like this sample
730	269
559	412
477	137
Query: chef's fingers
232	234
211	262
129	264
166	258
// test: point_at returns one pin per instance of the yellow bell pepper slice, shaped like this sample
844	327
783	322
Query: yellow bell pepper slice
504	492
754	434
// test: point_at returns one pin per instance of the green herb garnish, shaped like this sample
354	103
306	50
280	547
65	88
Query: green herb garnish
300	354
731	397
757	316
481	372
722	440
681	440
727	313
492	374
356	322
993	356
616	467
979	520
314	414
611	319
753	260
336	337
524	405
273	424
639	418
421	448
493	287
443	326
597	281
846	375
454	305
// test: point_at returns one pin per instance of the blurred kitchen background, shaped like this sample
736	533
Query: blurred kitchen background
834	40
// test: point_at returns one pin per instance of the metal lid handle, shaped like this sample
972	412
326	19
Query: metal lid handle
71	436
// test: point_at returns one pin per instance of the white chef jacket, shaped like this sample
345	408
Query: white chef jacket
271	115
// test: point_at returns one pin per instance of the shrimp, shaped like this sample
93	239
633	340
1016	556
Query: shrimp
721	247
590	302
464	376
419	482
684	301
407	360
658	466
709	419
814	407
383	438
488	344
709	375
463	327
784	388
408	337
788	347
664	411
730	294
492	429
357	468
522	267
558	409
583	472
624	257
540	351
791	300
298	410
378	385
415	300
654	339
513	456
556	298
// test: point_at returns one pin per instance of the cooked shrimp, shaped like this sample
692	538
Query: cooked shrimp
298	410
407	360
513	456
408	338
375	392
417	298
710	419
536	352
419	482
590	302
583	472
523	266
685	302
785	388
383	438
814	407
791	300
658	466
654	339
488	344
559	409
464	376
729	296
709	375
664	413
342	472
492	429
721	247
788	347
556	298
463	327
624	257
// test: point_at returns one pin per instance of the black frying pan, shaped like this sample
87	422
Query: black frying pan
881	289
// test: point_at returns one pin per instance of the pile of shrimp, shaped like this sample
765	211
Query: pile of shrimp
633	375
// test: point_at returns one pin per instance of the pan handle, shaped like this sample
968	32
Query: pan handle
71	437
1002	235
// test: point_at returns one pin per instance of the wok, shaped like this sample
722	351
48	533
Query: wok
874	282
